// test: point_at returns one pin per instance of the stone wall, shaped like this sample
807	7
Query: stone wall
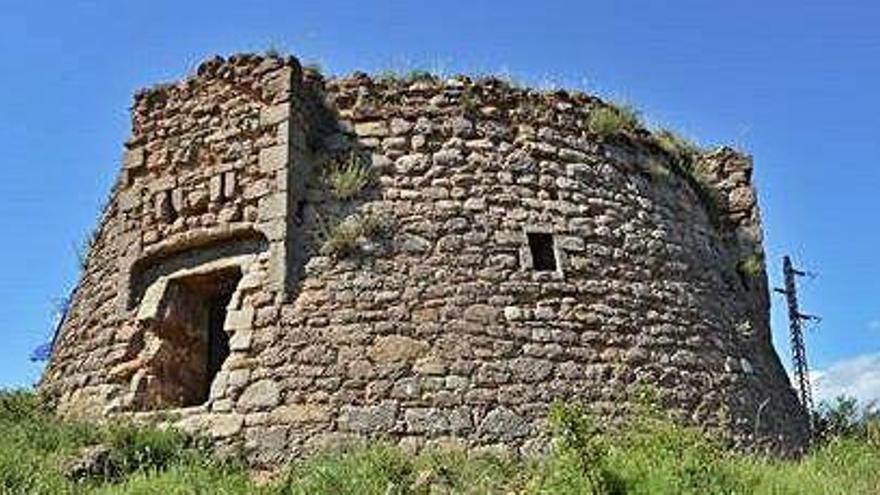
206	177
433	325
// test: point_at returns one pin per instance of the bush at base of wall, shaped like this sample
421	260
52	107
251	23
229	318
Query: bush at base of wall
39	454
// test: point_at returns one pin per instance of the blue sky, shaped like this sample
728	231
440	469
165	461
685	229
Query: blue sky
793	82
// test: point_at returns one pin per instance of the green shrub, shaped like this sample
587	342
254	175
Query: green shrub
313	67
134	448
647	454
684	161
469	102
612	119
350	177
342	239
35	448
186	478
682	151
581	453
751	266
657	170
376	469
274	51
656	456
844	417
18	406
419	75
345	236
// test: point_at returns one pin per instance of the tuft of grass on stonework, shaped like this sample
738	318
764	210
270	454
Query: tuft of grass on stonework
751	266
387	76
415	75
610	120
683	152
313	67
344	237
348	178
274	51
647	455
684	160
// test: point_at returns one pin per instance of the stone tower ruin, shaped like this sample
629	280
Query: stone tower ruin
286	261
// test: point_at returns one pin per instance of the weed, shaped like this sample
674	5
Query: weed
350	176
682	151
155	97
581	443
345	237
387	76
657	170
611	120
83	248
744	328
751	266
684	161
419	75
510	80
274	51
646	455
313	67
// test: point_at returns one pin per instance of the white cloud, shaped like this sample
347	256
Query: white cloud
857	377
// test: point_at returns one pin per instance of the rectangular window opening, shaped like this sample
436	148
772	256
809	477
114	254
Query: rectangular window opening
541	246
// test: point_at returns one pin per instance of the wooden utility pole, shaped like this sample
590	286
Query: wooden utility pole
798	348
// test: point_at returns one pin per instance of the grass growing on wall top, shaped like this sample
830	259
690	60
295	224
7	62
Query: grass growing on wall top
649	456
613	119
684	160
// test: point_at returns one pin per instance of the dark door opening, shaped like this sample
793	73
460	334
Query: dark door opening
193	344
218	339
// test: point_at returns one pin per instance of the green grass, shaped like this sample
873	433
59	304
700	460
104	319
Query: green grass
684	161
613	119
34	448
348	178
751	266
648	456
344	237
682	151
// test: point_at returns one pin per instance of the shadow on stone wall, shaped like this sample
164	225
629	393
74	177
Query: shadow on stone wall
337	220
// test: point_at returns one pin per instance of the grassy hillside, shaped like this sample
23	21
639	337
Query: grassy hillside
652	456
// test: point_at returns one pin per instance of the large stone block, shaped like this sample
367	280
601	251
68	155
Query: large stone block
274	158
300	414
260	396
502	424
275	114
273	206
133	158
241	319
226	425
396	348
429	421
371	129
369	419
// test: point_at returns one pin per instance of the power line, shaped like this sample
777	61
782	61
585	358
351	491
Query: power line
798	347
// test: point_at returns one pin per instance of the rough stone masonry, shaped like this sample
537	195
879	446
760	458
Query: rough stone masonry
287	261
